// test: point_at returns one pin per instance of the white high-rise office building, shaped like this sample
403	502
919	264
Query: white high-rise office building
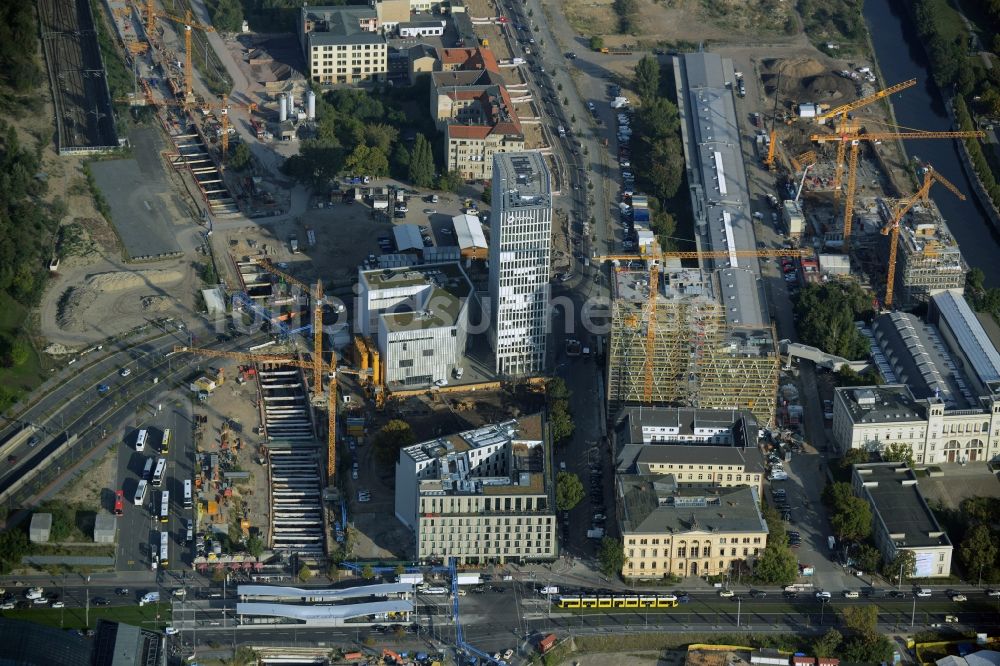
520	249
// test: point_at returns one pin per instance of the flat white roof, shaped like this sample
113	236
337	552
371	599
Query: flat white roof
469	231
379	590
315	613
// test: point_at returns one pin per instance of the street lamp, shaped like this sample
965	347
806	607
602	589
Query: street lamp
739	607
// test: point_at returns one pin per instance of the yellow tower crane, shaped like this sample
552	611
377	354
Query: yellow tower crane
903	207
854	138
152	13
331	398
316	293
654	258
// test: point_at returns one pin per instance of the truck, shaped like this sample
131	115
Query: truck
410	578
620	50
469	579
562	131
831	542
293	243
547	643
149	598
549	589
595	533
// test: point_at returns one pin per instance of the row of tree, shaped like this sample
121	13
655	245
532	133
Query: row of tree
777	564
20	71
825	316
974	528
658	155
864	645
557	396
627	12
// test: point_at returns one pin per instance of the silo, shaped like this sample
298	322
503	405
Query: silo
282	108
311	105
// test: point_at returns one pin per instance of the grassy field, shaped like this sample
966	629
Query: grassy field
75	618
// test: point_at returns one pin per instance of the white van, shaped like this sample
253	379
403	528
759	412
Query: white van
923	592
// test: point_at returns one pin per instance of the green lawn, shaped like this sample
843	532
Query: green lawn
75	618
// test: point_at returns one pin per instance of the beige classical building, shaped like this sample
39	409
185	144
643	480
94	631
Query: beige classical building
873	417
482	495
701	466
901	518
687	533
342	44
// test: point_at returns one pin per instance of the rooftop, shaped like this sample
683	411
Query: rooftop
449	466
893	492
919	359
651	506
340	25
473	58
890	403
719	193
687	421
526	179
439	304
970	335
468	231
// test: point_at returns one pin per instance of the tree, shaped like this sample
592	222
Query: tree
611	556
569	491
905	562
20	351
898	452
239	157
367	161
556	391
853	520
227	15
487	196
255	545
596	43
978	550
381	136
835	495
827	644
450	181
825	316
868	558
305	574
863	620
561	422
776	532
368	572
647	77
776	565
853	457
400	570
422	163
387	442
399	161
13	546
863	651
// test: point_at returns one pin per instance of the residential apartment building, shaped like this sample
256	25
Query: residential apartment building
520	256
872	417
418	317
687	533
901	518
483	495
342	44
473	108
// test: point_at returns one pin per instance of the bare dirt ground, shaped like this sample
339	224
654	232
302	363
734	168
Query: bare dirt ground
687	21
87	489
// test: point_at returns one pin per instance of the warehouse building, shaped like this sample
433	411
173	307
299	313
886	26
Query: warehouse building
483	495
901	518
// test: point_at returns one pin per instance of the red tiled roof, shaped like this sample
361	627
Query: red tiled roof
473	58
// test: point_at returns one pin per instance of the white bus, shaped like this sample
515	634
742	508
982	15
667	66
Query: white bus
161	468
164	506
165	443
147	471
188	500
164	546
140	493
140	440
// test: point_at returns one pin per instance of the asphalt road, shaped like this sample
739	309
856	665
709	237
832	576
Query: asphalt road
70	403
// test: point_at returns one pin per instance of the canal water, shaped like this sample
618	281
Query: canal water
901	57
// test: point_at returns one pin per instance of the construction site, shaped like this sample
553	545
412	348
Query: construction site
842	164
697	358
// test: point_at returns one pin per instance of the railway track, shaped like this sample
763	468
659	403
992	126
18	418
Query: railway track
84	114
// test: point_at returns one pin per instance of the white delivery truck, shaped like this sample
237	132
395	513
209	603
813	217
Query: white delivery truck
469	579
149	598
410	578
